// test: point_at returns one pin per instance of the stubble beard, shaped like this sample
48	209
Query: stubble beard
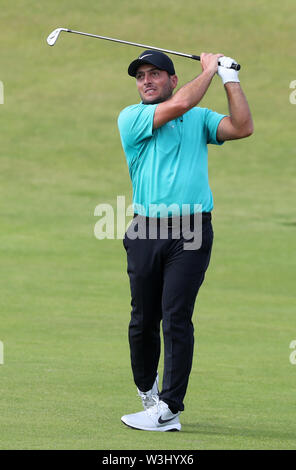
160	99
157	101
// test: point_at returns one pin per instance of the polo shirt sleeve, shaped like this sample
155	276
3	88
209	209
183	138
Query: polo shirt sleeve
212	121
135	124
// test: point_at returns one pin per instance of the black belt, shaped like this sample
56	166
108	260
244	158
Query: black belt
169	220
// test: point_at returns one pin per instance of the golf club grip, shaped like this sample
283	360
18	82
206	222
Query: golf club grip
233	66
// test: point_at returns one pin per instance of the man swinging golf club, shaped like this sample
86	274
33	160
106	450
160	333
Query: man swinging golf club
165	139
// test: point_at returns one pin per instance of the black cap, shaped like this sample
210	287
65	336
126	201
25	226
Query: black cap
157	58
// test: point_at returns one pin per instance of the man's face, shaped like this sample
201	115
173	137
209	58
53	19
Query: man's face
154	85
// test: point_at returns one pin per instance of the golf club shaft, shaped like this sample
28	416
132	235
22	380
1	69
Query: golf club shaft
144	46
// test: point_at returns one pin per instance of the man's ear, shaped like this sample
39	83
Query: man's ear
174	81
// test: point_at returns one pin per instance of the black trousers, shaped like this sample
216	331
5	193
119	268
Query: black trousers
164	282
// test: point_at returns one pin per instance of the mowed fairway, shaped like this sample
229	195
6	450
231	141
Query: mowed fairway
65	300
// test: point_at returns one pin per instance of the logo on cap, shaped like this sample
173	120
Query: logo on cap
146	55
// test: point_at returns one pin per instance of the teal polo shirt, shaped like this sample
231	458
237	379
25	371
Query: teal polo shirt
168	166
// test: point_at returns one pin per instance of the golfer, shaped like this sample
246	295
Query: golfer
165	139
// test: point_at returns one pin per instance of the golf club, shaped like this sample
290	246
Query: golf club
52	39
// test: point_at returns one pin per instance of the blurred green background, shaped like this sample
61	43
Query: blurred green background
65	300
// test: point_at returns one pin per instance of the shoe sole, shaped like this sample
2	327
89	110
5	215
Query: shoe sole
168	428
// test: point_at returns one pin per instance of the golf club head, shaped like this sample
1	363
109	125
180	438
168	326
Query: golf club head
52	38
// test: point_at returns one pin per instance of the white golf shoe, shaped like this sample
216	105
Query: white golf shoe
156	418
151	397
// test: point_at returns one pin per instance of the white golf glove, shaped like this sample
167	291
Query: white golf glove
227	74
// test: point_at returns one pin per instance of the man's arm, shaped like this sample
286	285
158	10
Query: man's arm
188	95
239	123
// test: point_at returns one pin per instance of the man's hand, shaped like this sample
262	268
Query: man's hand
225	72
209	62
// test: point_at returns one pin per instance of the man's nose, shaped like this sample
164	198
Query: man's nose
147	78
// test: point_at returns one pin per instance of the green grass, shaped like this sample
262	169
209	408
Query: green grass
65	301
